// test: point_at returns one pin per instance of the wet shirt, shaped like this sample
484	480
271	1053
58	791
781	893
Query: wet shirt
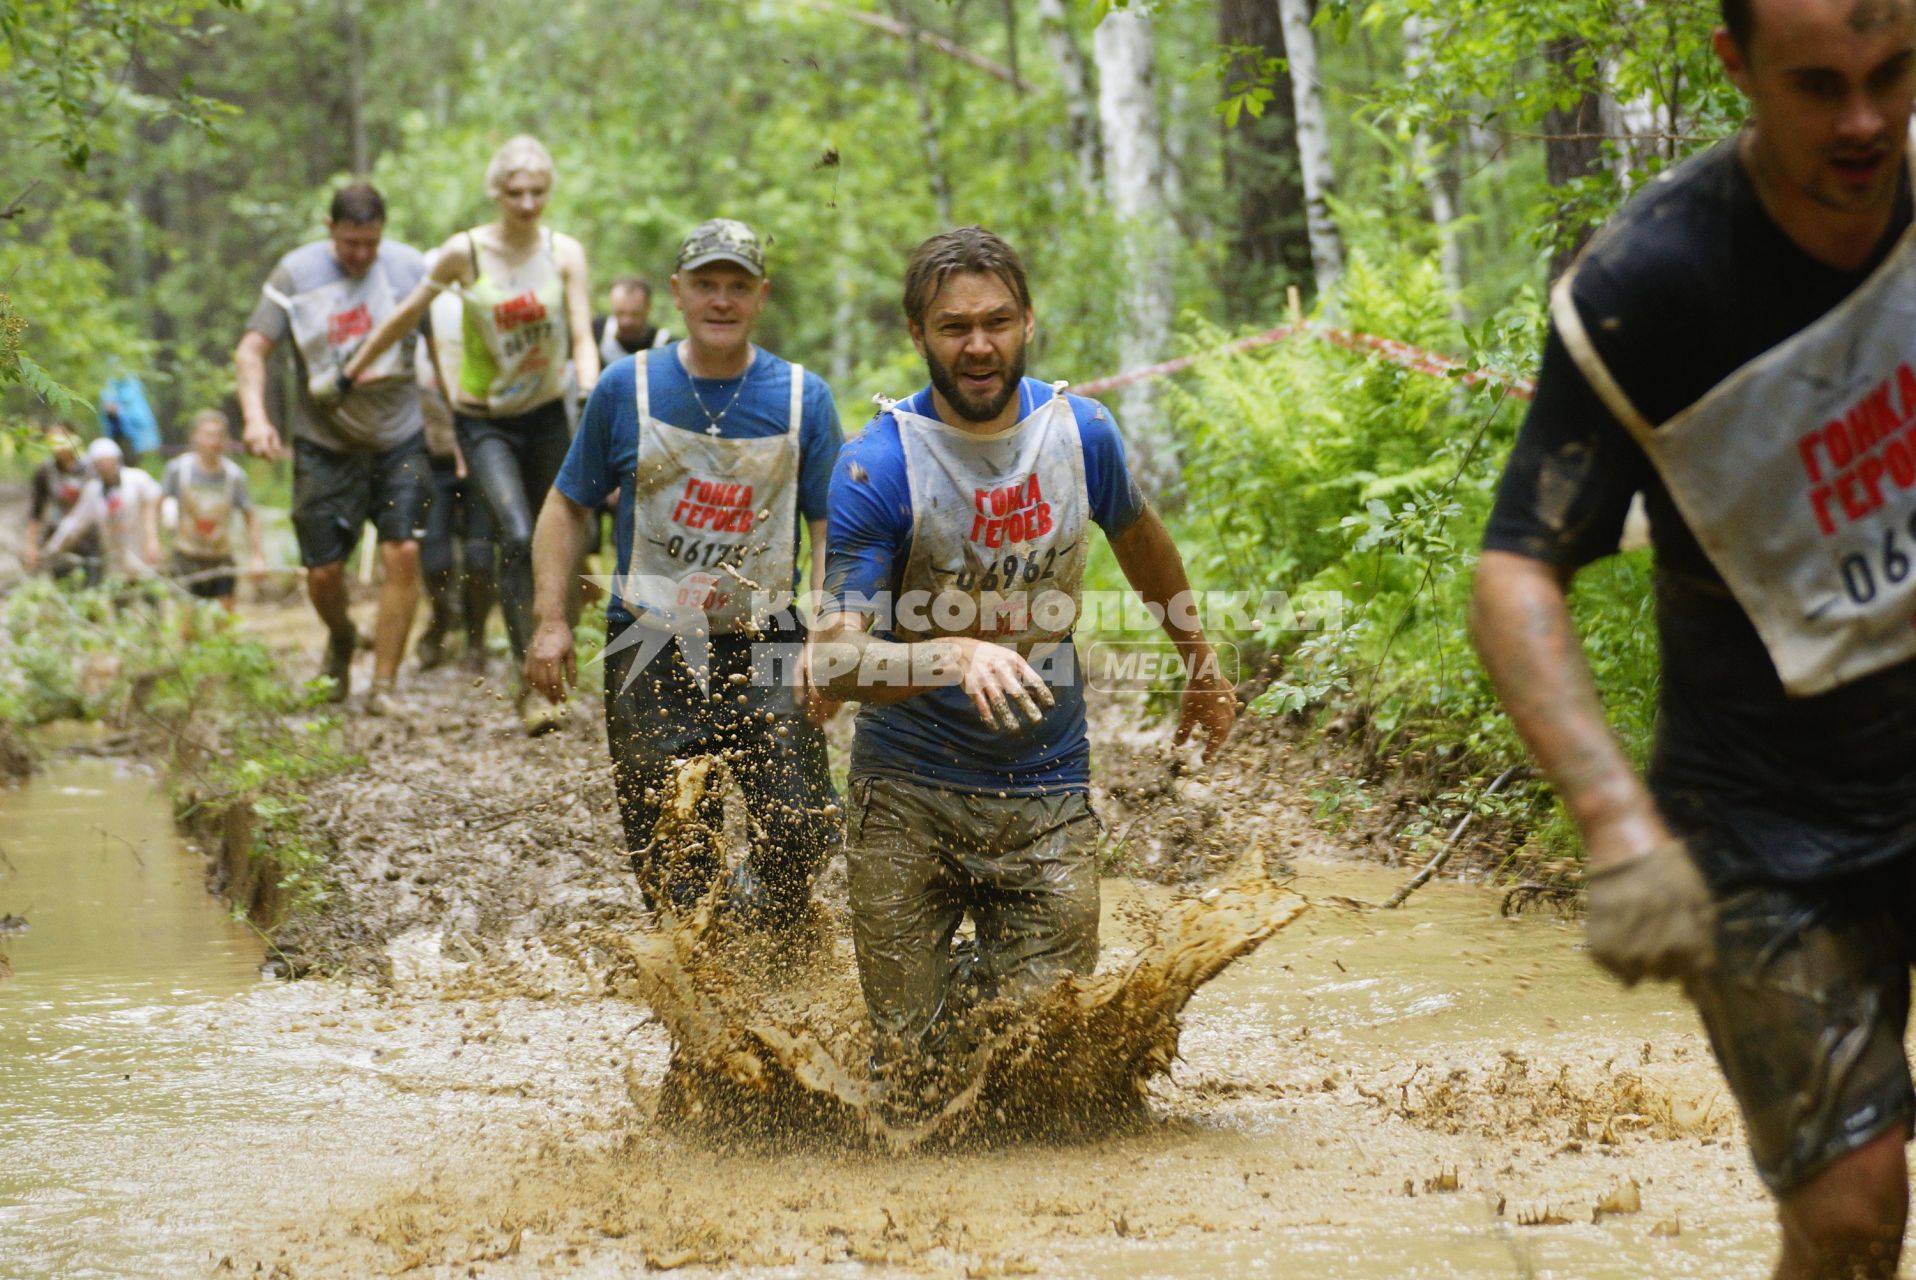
936	737
605	452
1690	283
207	502
393	405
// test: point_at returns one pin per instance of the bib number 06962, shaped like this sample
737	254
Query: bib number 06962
1892	563
1003	575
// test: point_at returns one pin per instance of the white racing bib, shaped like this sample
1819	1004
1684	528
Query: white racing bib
1797	474
998	528
329	323
206	512
714	520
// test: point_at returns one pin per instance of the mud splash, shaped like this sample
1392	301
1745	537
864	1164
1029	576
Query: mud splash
769	1049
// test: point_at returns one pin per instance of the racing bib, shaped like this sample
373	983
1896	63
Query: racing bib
714	520
1797	474
998	528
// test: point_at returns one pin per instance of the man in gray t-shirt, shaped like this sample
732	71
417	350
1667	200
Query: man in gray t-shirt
359	451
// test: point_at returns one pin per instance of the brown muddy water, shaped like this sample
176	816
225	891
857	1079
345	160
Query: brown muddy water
1365	1095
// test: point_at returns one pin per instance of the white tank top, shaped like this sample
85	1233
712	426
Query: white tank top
515	336
714	520
999	525
1797	474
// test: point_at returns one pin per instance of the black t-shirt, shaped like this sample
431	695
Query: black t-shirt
1691	281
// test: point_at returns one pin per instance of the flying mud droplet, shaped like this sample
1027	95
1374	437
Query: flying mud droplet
777	1052
1625	1197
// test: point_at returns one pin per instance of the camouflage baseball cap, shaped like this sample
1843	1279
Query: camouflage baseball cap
722	240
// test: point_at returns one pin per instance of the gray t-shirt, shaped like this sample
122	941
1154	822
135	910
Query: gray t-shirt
337	312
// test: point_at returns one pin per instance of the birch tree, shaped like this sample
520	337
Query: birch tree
1062	48
1134	187
1313	143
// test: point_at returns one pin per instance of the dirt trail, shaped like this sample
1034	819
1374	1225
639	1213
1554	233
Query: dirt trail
478	1088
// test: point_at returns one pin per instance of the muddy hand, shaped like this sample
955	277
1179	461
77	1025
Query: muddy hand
552	666
1208	706
1651	916
1002	684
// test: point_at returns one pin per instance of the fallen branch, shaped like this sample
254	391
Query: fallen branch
930	39
1436	864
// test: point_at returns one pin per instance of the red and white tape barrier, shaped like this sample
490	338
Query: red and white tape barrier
1403	354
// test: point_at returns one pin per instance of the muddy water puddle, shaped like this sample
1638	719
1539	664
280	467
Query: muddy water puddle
1332	1088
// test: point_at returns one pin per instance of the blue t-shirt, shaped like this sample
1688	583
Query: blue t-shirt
605	452
936	737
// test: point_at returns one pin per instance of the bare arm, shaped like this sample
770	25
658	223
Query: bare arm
255	548
261	437
450	268
1520	621
578	307
558	544
1153	567
816	530
30	549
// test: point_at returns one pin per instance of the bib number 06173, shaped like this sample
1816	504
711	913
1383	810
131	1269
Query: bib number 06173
1891	564
705	555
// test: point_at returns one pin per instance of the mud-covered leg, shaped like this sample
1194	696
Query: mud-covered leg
906	904
647	727
1037	900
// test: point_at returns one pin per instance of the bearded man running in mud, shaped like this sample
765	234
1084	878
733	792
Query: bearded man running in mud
359	449
960	522
718	449
1740	345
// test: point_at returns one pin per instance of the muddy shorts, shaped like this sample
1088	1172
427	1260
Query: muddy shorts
334	493
1806	1011
776	757
200	575
921	858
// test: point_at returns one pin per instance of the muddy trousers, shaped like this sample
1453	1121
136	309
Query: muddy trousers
921	858
659	715
512	462
456	555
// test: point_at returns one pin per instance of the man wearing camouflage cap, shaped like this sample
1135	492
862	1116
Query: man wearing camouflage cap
720	450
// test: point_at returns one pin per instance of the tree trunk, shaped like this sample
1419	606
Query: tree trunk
1313	143
1573	145
352	35
1269	245
1134	188
927	122
1432	173
1055	21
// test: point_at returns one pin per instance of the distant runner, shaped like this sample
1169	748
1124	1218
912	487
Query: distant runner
456	556
206	489
359	453
1738	343
57	483
627	326
527	307
719	450
120	506
960	526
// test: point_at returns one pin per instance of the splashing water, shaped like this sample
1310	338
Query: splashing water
762	1060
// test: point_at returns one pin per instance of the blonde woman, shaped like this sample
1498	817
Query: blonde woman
527	308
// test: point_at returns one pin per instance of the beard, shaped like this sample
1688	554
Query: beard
977	408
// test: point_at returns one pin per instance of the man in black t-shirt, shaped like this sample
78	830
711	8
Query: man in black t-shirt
1770	862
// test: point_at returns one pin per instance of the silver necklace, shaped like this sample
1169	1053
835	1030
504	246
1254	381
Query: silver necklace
712	420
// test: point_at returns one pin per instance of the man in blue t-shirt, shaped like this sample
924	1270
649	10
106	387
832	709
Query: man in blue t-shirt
718	450
959	524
